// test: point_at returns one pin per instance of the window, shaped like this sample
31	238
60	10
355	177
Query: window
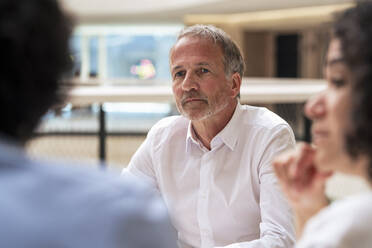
123	52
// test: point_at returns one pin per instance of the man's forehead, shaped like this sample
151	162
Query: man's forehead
194	39
195	49
196	43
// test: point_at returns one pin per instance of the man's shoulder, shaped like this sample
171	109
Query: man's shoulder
170	125
261	117
174	120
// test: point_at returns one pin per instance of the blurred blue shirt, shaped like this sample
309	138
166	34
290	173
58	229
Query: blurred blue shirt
51	205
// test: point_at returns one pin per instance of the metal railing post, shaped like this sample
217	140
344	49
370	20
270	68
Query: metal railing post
102	135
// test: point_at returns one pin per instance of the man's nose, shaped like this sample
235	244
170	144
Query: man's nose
190	82
316	106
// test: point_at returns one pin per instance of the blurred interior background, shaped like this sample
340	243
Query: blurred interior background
121	70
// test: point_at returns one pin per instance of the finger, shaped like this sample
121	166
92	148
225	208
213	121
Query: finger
306	153
281	163
304	161
281	167
302	170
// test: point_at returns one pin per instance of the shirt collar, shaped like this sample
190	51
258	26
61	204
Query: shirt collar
190	138
229	135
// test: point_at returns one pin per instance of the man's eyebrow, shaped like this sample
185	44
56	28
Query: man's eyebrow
203	63
176	67
198	64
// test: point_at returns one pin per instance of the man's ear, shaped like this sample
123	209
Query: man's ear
236	83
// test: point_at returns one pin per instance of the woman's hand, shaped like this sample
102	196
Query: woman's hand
302	183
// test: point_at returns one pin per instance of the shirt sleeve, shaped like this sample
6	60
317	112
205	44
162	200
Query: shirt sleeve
276	227
141	164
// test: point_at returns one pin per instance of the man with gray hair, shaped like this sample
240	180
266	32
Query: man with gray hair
212	164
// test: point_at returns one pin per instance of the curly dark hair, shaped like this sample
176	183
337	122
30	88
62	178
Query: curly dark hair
34	48
354	30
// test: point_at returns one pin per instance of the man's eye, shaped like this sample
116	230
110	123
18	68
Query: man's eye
203	70
179	74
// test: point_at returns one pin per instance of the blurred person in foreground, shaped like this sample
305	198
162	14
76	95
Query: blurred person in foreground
45	205
212	164
342	142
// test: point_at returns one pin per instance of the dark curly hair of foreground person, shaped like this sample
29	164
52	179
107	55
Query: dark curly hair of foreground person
354	29
34	48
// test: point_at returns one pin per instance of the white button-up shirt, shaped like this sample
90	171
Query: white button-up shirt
227	195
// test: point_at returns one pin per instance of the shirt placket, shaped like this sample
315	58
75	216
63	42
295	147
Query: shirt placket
206	234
